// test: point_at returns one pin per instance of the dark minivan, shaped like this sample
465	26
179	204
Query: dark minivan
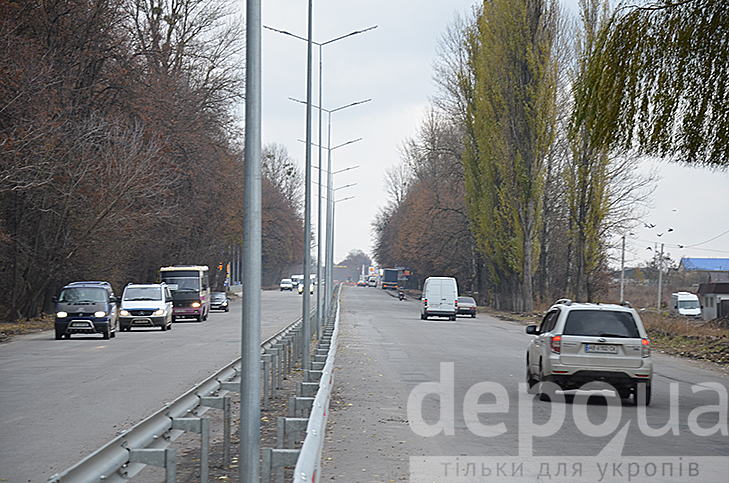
86	308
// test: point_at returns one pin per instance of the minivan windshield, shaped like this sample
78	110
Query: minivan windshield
142	293
688	304
79	295
601	323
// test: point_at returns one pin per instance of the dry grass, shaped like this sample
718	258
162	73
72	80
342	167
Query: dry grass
9	329
708	341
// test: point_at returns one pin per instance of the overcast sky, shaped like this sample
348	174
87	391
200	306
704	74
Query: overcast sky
392	66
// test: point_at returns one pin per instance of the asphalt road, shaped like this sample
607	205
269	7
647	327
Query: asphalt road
387	423
61	400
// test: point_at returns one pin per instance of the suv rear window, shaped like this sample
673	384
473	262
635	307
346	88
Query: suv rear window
601	323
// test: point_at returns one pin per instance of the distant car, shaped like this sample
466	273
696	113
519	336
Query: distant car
361	283
219	301
372	281
577	343
146	305
466	306
286	284
301	288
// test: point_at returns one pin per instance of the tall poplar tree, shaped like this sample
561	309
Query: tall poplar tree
586	183
512	120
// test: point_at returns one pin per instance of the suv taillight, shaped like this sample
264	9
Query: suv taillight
646	352
555	343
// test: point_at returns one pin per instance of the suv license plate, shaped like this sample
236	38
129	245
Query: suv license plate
80	324
601	348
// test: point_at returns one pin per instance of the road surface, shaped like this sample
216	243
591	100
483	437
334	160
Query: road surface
482	421
62	399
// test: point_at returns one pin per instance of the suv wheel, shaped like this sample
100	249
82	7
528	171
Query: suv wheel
59	334
530	379
105	333
647	393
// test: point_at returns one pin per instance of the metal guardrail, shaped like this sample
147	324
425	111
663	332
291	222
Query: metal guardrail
312	400
308	465
146	442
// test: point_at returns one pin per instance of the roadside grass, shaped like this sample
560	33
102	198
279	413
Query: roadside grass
698	340
37	324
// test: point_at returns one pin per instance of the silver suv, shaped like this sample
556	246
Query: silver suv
577	343
146	305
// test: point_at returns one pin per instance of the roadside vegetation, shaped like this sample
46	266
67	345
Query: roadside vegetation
120	150
526	167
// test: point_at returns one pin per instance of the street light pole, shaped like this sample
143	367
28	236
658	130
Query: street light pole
328	293
319	228
250	381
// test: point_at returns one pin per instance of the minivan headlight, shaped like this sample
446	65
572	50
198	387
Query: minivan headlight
159	312
100	313
124	313
196	304
61	315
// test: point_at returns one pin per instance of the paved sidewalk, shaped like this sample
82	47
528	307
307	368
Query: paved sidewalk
368	437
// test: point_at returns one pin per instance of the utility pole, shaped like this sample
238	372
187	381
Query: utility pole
622	273
660	276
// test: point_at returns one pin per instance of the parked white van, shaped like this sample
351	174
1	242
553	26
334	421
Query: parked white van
685	303
440	298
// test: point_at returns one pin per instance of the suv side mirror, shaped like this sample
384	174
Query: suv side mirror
54	299
532	330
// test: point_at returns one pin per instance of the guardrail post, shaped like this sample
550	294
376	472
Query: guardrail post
289	427
200	426
224	404
276	459
165	458
266	360
300	405
307	389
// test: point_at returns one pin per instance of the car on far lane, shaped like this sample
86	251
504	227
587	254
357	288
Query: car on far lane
286	284
219	301
466	306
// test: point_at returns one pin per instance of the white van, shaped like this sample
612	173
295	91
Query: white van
440	298
685	304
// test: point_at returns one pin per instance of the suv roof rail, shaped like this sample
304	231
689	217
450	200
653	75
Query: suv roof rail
563	302
625	303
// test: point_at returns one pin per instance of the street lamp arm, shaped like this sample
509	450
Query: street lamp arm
349	35
344	144
286	32
345	169
345	186
348	105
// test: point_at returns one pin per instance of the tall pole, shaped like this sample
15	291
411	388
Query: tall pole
319	238
306	330
622	273
660	277
330	248
250	383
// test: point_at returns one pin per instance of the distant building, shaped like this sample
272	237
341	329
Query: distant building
714	300
715	269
